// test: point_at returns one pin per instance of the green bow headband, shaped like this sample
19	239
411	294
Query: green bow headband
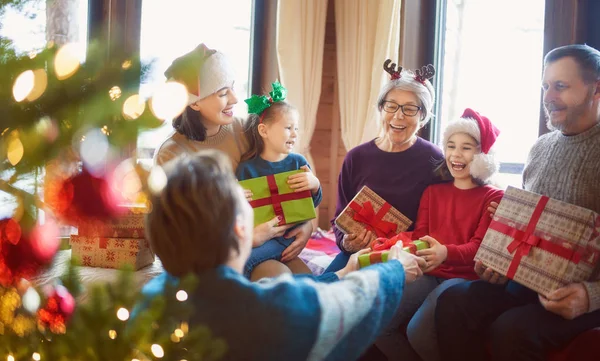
258	103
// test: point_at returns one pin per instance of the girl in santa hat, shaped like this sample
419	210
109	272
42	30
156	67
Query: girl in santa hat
453	219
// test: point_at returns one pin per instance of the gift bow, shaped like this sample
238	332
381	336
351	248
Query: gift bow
524	240
382	244
258	103
374	222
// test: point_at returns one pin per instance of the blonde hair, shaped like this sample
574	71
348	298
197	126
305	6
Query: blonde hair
191	225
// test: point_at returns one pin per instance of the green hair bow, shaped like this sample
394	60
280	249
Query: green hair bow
258	103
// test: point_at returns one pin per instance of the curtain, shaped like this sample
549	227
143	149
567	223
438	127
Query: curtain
300	44
367	33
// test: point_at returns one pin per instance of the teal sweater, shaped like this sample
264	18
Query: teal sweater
294	318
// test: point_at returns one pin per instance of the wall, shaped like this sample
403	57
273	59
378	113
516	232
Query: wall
327	148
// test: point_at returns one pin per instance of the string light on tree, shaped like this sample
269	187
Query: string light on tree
66	62
181	295
123	314
157	351
169	100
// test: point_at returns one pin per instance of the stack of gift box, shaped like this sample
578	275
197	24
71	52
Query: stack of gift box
114	243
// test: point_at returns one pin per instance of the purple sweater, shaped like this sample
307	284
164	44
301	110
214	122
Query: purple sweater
399	178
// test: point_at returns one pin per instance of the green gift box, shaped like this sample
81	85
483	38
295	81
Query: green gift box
368	259
272	196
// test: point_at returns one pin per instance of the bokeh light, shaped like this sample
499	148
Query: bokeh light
157	351
157	180
31	300
133	107
169	100
94	150
66	62
40	83
123	314
114	93
181	295
15	149
23	85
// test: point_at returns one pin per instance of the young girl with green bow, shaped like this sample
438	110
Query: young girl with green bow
272	132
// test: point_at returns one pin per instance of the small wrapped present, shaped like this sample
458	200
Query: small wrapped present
111	252
272	196
128	224
541	243
370	211
368	259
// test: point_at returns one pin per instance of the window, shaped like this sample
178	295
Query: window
29	28
491	56
170	29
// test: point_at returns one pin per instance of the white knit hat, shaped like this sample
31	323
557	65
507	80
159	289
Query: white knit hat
203	71
485	133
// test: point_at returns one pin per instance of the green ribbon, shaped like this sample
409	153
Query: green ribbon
258	103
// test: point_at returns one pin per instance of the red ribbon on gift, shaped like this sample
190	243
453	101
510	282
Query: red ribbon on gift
374	221
376	257
382	244
276	199
525	240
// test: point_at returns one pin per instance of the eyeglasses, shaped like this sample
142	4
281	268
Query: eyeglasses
408	109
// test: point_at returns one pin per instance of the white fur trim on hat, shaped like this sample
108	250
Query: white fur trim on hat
483	166
216	73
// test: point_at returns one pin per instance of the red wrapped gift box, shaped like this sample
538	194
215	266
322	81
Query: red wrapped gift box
542	243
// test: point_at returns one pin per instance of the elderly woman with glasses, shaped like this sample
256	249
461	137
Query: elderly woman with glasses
397	165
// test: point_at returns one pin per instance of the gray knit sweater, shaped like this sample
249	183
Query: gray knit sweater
567	168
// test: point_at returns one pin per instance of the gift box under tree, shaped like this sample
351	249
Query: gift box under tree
111	252
540	242
368	210
272	196
128	224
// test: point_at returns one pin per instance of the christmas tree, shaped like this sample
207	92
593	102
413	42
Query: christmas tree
64	121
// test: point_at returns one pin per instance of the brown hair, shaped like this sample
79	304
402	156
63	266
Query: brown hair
189	123
191	225
256	144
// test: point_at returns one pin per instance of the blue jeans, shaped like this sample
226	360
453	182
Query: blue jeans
415	314
271	249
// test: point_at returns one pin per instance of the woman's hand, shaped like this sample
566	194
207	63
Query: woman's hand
302	234
305	181
434	255
354	243
352	264
268	230
413	265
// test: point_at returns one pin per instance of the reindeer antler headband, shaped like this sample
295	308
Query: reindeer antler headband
426	72
391	69
421	75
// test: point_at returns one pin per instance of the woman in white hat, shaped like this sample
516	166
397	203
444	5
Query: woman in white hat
208	123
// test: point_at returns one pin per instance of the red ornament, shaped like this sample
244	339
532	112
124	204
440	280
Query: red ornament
85	197
26	256
57	311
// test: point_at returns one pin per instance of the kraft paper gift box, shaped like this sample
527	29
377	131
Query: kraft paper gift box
368	259
541	243
272	196
128	224
370	211
111	252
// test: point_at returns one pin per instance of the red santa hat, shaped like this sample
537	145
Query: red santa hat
485	133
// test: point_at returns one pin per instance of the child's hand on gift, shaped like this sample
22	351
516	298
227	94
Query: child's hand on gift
413	265
248	194
305	181
353	242
488	274
492	208
269	230
434	255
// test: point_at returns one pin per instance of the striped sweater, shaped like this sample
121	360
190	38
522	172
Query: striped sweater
294	318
